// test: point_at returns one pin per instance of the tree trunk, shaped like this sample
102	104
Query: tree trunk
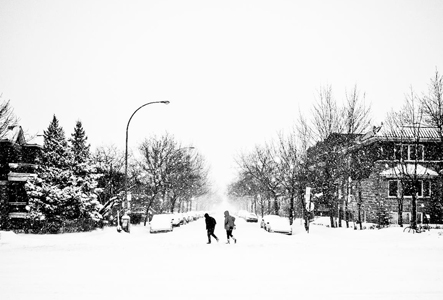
348	193
174	203
340	213
276	206
291	210
147	214
306	215
262	207
346	213
180	205
359	206
414	211
331	217
400	212
331	210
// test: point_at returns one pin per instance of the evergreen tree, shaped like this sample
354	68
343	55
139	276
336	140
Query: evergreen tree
55	149
63	189
78	143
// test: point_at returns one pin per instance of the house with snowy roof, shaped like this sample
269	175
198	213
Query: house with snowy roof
377	174
391	166
18	160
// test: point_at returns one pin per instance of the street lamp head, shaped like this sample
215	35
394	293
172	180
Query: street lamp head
165	102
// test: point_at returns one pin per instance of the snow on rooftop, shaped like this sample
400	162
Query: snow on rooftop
36	140
408	170
14	134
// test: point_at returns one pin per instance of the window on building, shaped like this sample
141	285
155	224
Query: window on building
406	216
426	188
419	218
410	187
17	192
397	152
392	188
416	152
405	152
422	188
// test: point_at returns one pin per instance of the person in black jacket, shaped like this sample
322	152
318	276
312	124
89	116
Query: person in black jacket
210	227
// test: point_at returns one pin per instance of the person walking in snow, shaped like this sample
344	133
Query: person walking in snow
210	227
229	226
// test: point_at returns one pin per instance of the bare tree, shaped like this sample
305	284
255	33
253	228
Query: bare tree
110	162
406	127
262	166
304	136
357	114
432	104
156	153
246	188
357	120
326	115
335	127
189	179
7	117
289	170
168	174
327	123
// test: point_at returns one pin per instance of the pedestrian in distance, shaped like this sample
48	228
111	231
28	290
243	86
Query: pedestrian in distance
229	226
210	227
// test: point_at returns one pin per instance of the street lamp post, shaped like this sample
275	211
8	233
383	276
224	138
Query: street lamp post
126	150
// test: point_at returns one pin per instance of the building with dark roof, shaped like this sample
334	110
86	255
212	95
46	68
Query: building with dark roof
18	160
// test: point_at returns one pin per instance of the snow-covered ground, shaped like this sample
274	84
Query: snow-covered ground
324	264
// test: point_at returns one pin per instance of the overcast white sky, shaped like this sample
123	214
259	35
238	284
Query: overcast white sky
236	72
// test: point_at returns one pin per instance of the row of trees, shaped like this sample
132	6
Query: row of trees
168	176
273	177
74	183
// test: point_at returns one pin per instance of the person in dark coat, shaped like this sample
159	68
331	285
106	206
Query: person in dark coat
210	227
229	226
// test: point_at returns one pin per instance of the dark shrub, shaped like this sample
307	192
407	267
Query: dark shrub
136	218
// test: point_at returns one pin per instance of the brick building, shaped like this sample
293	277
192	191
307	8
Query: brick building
18	160
394	165
378	172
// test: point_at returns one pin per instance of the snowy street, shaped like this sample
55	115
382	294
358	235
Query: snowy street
324	264
114	112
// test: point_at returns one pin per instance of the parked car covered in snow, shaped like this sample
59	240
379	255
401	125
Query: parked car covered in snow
161	223
251	217
189	216
178	219
274	223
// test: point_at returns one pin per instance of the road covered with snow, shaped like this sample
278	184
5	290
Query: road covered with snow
324	264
